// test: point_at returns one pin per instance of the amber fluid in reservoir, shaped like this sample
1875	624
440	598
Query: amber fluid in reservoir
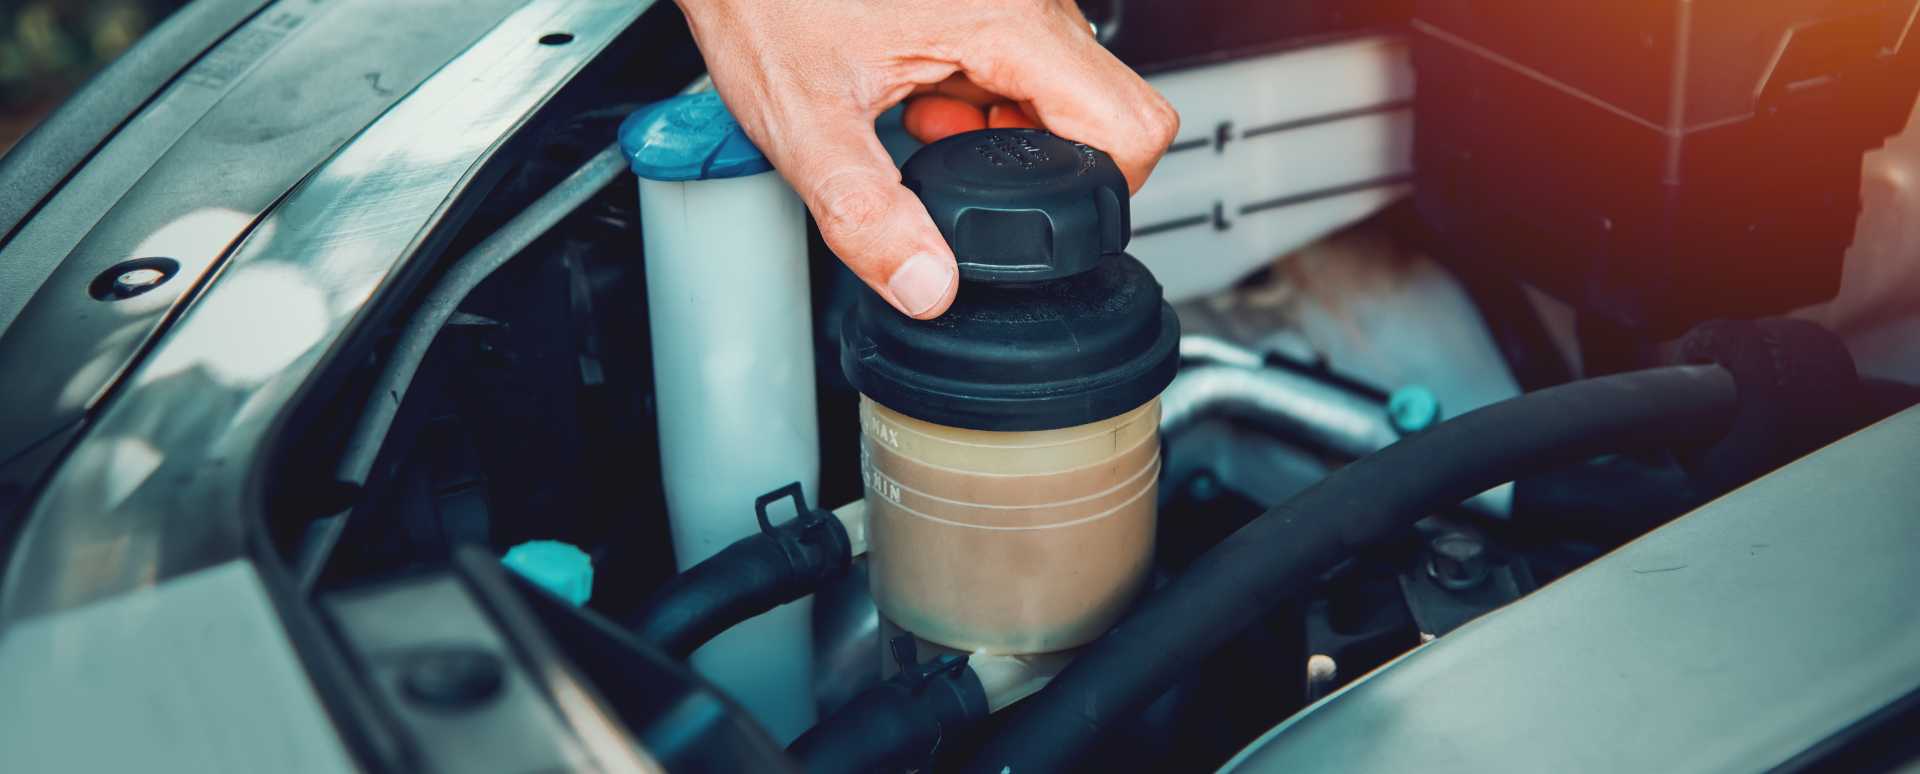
1009	542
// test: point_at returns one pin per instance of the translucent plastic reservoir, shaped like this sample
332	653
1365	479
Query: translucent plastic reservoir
1009	542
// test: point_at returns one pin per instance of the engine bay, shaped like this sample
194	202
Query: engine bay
544	421
1435	345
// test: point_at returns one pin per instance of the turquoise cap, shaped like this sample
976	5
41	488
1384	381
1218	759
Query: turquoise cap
1413	408
561	569
689	137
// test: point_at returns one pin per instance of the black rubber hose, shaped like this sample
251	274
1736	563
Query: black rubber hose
1885	398
1609	500
750	577
1278	555
897	725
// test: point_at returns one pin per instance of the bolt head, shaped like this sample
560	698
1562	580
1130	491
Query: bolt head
454	677
1457	560
1458	546
1203	488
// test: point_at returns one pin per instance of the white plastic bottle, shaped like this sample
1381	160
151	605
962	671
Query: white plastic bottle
729	307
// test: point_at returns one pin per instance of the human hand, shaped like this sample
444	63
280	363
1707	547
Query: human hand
807	78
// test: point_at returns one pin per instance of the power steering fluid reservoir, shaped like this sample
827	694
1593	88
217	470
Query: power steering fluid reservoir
1011	446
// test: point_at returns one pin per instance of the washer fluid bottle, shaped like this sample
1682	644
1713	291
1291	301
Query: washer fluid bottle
1011	446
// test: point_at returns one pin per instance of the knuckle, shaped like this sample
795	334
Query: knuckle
849	207
1001	14
1163	122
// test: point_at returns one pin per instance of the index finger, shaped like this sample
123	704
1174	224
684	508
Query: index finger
1078	90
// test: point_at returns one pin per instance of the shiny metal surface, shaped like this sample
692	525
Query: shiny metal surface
55	155
19	475
1369	308
1732	639
193	172
1197	349
514	728
1293	405
165	481
192	676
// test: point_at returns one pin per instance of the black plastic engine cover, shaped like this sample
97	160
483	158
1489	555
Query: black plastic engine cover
1657	163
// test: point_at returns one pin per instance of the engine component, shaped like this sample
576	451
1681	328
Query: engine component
558	568
1010	447
1316	410
1714	171
443	301
478	686
930	695
1155	35
756	574
897	724
1280	552
1312	411
1337	116
1010	542
1775	625
678	718
730	312
1800	391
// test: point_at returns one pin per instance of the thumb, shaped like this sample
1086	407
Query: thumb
877	227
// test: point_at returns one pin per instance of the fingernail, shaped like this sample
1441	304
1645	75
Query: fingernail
921	282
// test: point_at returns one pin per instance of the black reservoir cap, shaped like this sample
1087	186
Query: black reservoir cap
1021	205
1054	325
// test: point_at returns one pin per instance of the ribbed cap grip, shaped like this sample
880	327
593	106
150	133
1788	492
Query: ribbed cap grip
1021	205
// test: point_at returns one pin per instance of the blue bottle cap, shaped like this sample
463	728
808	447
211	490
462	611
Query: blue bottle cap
689	137
1413	408
561	569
